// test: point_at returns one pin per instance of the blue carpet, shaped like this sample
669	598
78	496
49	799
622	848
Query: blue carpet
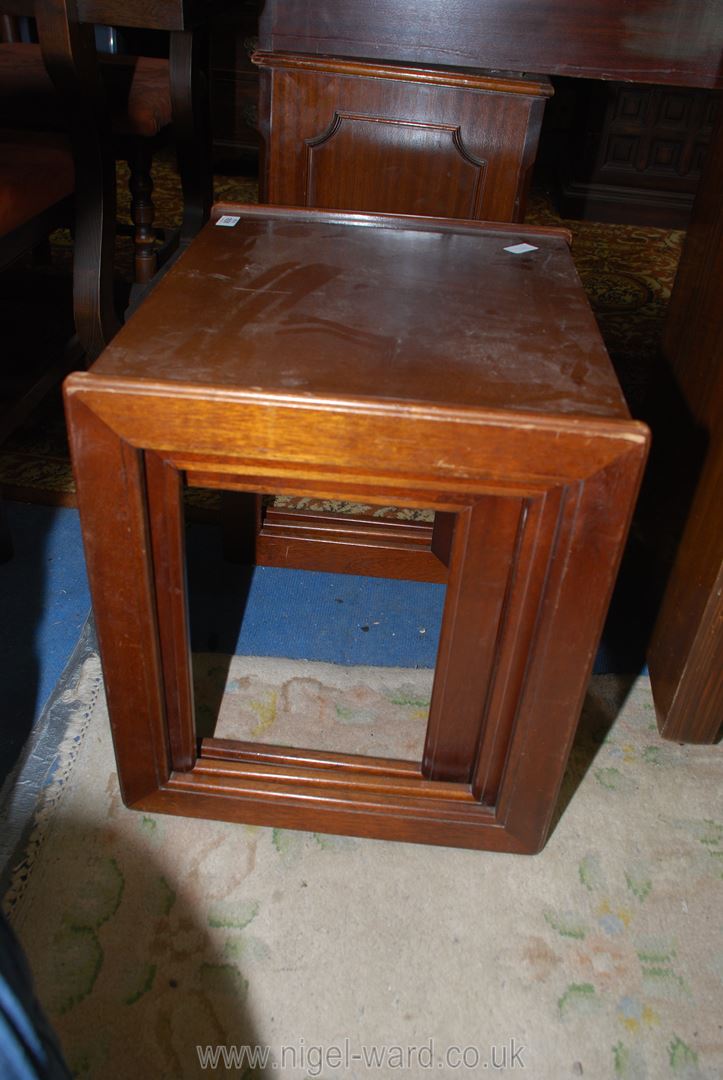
299	614
343	619
45	602
338	618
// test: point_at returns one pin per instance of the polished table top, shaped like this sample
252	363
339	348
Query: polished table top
678	42
338	304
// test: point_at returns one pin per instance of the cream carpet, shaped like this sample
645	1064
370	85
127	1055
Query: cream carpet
601	957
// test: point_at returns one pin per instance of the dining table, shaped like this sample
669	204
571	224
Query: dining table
659	42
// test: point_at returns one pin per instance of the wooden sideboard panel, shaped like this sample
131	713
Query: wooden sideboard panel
357	136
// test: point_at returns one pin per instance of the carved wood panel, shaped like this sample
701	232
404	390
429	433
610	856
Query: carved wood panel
644	148
417	168
357	136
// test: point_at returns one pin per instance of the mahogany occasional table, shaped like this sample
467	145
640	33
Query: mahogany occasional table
418	362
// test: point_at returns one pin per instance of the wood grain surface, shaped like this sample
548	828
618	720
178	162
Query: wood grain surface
657	41
277	387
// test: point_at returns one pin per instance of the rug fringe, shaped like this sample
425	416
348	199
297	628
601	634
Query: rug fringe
80	700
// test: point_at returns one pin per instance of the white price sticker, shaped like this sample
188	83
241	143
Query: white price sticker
228	220
520	249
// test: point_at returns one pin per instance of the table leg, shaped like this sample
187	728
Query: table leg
118	552
686	651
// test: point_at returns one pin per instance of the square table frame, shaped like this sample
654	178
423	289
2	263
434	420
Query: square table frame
541	506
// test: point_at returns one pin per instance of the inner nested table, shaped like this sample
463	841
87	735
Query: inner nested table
386	360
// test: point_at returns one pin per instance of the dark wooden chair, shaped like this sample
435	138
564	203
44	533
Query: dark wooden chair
36	187
68	50
40	171
49	179
145	108
36	191
37	180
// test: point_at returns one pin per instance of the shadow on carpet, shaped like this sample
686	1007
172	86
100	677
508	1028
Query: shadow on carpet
155	939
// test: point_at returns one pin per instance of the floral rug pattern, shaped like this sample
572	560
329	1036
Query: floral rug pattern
601	957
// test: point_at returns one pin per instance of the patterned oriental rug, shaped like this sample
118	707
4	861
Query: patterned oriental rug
627	272
173	949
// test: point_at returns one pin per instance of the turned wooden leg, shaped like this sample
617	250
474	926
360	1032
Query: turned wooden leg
142	212
69	55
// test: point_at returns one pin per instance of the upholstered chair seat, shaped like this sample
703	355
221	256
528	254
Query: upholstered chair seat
138	91
36	172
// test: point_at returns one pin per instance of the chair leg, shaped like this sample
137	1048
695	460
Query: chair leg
69	55
142	211
96	320
189	74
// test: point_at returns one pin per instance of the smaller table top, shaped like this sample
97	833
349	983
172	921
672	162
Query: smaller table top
332	304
